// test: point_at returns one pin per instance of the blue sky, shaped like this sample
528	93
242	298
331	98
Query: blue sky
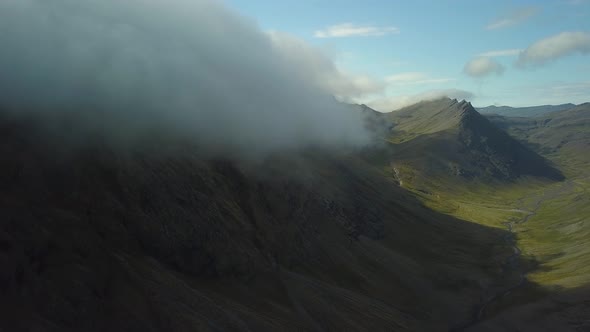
491	52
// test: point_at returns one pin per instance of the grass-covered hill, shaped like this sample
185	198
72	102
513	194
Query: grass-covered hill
564	136
449	140
550	222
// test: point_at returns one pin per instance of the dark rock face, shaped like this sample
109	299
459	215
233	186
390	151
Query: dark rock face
498	153
71	226
203	217
160	239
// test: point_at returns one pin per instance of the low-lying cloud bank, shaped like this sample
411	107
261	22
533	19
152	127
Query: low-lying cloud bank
194	67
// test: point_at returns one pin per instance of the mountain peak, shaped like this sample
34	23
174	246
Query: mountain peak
452	136
433	115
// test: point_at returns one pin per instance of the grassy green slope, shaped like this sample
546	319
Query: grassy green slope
558	235
563	137
559	232
550	220
447	143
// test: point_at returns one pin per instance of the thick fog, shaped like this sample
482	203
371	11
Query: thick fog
125	68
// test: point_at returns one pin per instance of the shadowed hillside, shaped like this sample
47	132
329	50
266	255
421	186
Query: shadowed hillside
209	165
159	238
563	136
548	220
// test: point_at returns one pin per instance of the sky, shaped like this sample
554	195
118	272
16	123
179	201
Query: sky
517	53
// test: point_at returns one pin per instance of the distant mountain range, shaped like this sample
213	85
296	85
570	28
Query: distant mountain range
524	111
566	132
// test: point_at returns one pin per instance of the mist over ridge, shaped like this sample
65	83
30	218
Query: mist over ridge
197	68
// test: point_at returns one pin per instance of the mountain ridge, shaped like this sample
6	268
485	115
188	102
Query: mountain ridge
454	138
159	238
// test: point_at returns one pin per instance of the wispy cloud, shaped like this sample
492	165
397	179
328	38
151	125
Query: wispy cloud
482	67
512	18
326	74
411	78
392	103
496	53
353	30
555	47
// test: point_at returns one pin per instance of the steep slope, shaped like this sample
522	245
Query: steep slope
564	136
530	111
159	238
561	222
549	221
446	138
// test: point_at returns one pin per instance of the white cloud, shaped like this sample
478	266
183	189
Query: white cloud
192	68
414	78
352	30
392	103
360	85
322	69
497	53
482	67
554	47
512	18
